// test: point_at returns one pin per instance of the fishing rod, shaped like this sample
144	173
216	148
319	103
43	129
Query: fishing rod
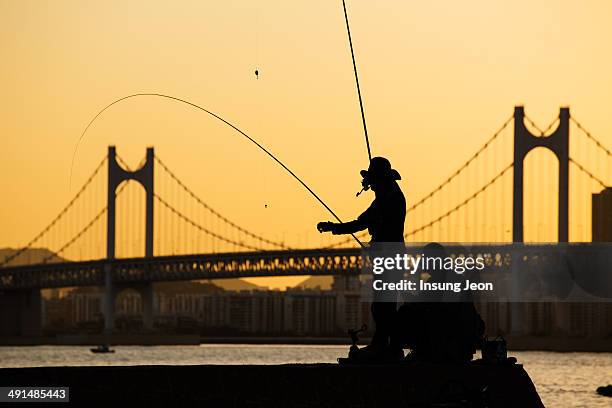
262	148
363	120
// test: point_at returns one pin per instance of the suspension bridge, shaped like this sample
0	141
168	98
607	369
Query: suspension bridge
184	238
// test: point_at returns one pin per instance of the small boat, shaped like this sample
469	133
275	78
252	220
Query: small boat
102	348
606	391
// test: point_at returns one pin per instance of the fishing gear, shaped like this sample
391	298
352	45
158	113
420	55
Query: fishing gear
262	148
365	185
363	120
365	182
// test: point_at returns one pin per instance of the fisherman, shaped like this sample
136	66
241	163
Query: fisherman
384	220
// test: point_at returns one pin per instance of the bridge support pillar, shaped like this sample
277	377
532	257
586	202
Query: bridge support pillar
516	308
109	300
21	313
145	290
146	297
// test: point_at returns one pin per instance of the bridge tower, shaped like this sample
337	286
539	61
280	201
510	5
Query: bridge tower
116	175
558	143
524	142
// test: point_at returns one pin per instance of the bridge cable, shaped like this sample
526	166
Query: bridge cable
61	214
262	148
84	229
460	205
462	167
213	211
588	173
433	192
590	136
76	237
536	127
552	124
203	229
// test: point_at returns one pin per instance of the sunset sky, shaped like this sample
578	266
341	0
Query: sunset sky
438	78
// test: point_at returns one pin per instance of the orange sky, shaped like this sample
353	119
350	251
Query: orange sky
437	79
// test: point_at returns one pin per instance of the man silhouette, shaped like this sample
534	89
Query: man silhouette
384	220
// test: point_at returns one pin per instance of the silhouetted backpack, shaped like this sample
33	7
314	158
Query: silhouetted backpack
456	333
494	351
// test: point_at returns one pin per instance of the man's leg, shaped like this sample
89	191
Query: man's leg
384	318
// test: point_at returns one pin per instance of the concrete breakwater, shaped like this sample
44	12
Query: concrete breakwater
292	385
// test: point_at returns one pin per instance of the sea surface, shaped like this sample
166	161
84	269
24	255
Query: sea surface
562	379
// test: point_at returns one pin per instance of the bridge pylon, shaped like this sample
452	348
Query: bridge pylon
116	175
524	142
558	143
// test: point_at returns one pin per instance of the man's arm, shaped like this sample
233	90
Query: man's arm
350	227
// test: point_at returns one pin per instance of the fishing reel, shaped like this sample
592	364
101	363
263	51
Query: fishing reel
365	184
354	339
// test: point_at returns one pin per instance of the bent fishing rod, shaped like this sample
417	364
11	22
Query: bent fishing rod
214	115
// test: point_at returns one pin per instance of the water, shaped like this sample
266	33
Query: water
562	379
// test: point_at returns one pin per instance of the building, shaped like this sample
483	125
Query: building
195	307
602	216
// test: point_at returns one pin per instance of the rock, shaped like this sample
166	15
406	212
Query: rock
293	385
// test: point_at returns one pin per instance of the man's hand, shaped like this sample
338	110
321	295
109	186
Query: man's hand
325	226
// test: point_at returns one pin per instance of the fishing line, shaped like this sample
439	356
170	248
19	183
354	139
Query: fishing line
257	109
257	41
363	120
220	119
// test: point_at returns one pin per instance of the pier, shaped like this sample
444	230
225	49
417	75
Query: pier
292	385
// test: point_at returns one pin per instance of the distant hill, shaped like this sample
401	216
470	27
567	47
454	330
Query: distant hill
323	282
29	256
186	287
207	286
194	287
236	284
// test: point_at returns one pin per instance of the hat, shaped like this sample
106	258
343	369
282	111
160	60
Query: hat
380	168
